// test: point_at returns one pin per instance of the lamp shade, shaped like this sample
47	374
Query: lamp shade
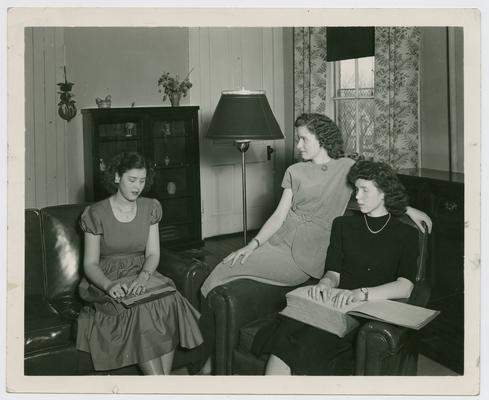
244	115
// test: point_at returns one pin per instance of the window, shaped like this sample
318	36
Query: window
353	103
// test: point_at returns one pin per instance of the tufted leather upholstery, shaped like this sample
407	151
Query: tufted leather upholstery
53	268
243	306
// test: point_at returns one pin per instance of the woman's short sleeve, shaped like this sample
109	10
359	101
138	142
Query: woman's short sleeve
287	180
156	212
90	222
334	257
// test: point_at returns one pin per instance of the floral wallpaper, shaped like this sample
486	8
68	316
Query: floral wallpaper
396	133
396	128
309	71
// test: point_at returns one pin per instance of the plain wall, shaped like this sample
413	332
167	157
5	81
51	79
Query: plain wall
125	63
441	116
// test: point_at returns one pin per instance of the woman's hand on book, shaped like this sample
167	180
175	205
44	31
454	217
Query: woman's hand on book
138	285
345	297
116	290
321	291
241	254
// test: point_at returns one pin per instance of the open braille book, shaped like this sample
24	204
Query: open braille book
339	321
156	288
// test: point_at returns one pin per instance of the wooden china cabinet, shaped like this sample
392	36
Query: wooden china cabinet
441	195
169	137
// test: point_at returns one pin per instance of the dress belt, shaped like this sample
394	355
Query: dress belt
310	218
135	254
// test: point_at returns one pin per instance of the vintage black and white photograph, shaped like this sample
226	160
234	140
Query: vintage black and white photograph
216	197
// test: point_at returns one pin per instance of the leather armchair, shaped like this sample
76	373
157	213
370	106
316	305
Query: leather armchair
243	306
53	268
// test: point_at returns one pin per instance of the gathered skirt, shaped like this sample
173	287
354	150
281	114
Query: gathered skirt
117	337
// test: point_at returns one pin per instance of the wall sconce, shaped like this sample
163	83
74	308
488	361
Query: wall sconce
66	105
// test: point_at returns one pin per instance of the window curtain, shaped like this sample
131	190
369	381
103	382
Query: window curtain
309	70
396	133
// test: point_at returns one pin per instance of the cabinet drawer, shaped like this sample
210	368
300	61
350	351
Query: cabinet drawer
448	202
451	207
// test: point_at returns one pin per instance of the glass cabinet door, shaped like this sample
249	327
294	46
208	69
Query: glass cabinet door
171	152
114	138
168	137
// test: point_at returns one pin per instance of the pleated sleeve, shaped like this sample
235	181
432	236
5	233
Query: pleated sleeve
287	179
90	222
156	212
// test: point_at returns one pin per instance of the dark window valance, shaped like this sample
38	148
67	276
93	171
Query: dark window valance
344	43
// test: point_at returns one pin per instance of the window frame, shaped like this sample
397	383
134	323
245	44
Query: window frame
333	82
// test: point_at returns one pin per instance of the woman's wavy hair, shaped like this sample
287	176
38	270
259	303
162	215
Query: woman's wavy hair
385	179
122	163
326	131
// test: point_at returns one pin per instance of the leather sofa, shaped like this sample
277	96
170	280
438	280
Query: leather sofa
53	268
243	306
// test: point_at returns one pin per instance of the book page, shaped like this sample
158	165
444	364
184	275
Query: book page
396	313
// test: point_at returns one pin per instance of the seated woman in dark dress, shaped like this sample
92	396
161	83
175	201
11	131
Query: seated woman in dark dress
371	256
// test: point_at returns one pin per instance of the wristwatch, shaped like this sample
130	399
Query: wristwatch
364	290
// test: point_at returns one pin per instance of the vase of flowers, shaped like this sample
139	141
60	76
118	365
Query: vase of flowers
173	88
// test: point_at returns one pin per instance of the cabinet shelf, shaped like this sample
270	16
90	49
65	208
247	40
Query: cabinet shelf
181	221
174	196
170	137
171	166
104	137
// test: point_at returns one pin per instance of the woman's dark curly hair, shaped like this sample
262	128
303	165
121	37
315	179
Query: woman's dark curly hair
122	163
385	179
325	130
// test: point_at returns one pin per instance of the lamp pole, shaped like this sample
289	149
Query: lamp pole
242	116
243	146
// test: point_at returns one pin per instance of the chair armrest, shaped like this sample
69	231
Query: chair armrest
235	304
67	305
188	274
420	294
381	349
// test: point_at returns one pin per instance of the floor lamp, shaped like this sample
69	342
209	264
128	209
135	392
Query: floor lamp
243	116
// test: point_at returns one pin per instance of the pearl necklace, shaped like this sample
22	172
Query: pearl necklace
374	232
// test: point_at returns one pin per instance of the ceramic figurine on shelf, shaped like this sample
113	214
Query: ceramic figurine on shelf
171	188
166	129
130	128
104	103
